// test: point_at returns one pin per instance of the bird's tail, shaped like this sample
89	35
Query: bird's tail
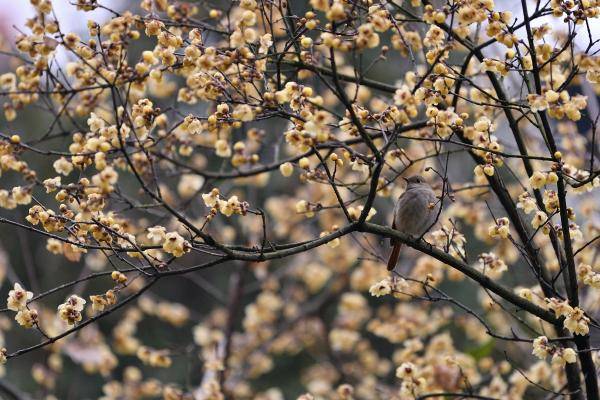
397	246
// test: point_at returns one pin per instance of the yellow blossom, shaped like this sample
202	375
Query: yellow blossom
175	244
381	288
18	298
537	180
27	318
70	310
500	228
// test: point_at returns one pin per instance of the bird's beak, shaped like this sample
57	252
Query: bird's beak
405	179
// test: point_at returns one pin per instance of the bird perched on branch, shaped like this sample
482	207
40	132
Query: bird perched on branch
415	213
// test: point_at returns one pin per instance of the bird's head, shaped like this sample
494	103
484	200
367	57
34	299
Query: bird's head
414	181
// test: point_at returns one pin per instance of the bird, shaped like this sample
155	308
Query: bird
415	212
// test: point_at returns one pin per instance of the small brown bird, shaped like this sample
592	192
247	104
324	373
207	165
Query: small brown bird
415	212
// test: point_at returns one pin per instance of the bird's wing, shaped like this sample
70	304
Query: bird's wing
405	207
